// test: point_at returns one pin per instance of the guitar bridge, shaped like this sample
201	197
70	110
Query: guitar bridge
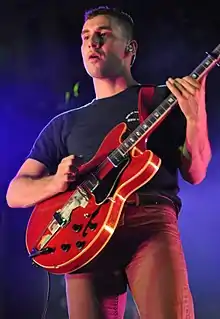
78	199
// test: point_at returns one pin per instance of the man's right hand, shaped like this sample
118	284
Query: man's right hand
65	174
33	184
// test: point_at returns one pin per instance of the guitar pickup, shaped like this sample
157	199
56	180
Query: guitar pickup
60	220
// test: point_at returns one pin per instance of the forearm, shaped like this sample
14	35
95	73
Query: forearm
196	152
26	191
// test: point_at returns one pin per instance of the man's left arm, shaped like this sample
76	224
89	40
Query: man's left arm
196	151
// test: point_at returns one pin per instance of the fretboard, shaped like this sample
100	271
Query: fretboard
161	111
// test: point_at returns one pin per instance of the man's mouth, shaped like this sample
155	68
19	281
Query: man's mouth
94	57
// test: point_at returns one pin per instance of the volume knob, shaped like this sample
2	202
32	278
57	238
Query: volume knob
92	226
80	244
65	247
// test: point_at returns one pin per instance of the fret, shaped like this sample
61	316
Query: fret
201	69
140	129
126	145
207	62
163	108
116	157
151	119
161	111
165	104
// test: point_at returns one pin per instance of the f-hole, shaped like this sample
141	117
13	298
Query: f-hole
85	233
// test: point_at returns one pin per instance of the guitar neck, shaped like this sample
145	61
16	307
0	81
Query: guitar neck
162	110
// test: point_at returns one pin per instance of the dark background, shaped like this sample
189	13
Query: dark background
39	61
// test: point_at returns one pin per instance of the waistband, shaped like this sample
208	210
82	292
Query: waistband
139	199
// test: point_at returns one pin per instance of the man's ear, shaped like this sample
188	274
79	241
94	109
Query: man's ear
131	47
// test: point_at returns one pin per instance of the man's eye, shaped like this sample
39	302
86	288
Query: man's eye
102	35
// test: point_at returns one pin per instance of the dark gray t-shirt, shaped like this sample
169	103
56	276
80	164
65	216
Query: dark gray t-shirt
81	131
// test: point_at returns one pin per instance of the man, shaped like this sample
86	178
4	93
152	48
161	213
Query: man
145	251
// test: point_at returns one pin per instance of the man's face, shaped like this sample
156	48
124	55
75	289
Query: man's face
103	47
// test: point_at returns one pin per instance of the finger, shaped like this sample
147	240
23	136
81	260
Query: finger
69	162
186	86
192	81
179	84
69	177
173	89
68	158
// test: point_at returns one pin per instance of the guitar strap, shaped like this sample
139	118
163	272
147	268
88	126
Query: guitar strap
145	98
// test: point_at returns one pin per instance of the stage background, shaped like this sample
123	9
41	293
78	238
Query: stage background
40	61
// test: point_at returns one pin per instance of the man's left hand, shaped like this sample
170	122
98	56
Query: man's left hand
190	94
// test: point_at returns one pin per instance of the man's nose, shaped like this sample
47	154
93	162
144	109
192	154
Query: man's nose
94	42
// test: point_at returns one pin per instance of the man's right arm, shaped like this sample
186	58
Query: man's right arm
32	184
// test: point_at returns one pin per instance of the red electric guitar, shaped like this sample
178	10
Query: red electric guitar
68	230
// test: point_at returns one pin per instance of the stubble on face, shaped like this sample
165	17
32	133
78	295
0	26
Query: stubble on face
102	36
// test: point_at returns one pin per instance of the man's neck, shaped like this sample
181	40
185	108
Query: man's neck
108	87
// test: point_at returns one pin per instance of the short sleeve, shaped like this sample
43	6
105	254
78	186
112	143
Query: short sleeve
48	148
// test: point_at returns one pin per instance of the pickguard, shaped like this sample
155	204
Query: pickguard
109	183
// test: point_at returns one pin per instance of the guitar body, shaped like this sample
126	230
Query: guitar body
92	221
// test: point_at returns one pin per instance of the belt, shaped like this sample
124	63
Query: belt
138	199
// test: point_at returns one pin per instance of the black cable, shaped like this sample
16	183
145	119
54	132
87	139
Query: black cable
46	303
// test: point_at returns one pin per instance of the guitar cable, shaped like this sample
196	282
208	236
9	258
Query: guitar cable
46	302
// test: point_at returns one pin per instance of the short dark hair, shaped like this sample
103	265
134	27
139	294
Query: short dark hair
123	18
